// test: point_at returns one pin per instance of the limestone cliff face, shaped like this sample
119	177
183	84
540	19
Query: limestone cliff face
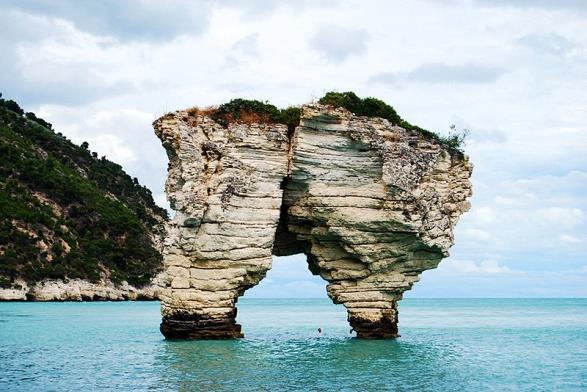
225	184
372	205
80	290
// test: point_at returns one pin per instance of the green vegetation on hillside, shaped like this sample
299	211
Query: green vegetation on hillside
65	213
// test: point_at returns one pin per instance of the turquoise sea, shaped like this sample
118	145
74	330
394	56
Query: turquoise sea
446	345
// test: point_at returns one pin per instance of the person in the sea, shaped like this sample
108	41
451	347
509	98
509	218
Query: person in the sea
319	331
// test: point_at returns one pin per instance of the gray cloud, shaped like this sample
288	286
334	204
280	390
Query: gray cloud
247	45
386	78
547	43
35	70
264	7
71	85
480	135
244	49
442	73
338	43
580	5
31	80
129	19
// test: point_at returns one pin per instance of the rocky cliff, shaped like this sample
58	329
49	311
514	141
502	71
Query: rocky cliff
72	225
370	204
80	290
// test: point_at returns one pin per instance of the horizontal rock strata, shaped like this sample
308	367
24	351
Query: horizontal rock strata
372	205
225	184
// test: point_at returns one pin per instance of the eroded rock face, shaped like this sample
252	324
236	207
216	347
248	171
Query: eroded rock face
80	290
371	205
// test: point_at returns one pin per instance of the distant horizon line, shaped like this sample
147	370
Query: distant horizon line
424	298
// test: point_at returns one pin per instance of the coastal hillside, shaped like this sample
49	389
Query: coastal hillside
67	214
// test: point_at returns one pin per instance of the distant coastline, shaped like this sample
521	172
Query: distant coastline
77	290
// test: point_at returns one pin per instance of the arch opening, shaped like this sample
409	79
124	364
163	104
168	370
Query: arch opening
289	303
371	206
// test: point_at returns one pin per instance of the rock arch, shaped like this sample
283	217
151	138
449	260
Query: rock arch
372	205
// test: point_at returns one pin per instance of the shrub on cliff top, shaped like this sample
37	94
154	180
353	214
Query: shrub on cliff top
246	111
370	107
249	111
373	107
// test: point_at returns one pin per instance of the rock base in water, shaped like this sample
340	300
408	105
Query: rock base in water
190	326
383	326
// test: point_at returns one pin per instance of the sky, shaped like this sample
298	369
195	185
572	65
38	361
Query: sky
513	72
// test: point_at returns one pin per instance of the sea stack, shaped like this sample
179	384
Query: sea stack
371	205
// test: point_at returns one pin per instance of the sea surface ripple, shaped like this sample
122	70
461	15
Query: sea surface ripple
446	345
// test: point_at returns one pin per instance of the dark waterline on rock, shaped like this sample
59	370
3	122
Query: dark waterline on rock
446	344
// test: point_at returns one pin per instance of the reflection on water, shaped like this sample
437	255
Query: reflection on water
445	345
323	363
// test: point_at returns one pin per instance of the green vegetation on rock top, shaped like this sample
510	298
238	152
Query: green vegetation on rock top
370	107
254	111
65	213
373	107
250	111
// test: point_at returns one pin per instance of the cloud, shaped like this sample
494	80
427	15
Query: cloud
480	135
574	5
477	234
445	283
570	239
289	277
248	45
513	74
483	214
129	19
560	216
338	43
72	84
264	8
547	43
244	49
113	147
53	62
470	267
468	73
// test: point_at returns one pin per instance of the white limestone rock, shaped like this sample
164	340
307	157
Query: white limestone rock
81	290
372	205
